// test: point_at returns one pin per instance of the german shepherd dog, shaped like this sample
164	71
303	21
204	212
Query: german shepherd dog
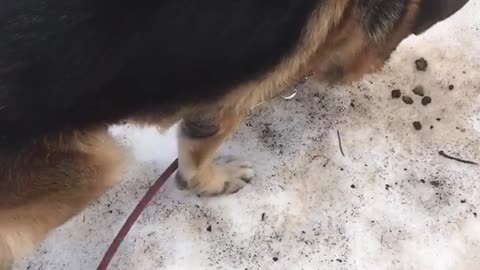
71	68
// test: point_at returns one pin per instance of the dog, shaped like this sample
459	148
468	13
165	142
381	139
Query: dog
71	68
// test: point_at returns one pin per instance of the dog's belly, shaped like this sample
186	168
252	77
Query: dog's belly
81	62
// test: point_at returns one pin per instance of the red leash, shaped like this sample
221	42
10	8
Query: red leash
135	214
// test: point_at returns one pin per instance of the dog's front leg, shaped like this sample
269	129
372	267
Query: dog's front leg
199	138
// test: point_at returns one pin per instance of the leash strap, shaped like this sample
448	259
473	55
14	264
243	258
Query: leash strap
107	258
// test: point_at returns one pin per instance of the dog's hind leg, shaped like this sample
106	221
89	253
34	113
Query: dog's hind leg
199	138
6	256
49	181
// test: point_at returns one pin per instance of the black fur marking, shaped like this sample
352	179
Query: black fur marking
199	128
72	63
380	16
182	184
432	11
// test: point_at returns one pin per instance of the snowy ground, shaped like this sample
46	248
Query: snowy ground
391	202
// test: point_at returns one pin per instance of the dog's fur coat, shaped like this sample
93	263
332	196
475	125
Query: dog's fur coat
70	68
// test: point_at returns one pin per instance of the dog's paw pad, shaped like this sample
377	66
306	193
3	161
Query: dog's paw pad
240	170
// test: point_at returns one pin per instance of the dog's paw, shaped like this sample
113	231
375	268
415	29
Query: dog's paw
240	170
219	179
238	174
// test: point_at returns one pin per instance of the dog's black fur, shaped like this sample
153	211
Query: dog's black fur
77	62
71	63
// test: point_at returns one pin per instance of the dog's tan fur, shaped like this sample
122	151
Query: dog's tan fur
348	54
53	181
56	178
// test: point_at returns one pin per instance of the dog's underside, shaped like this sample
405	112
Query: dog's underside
71	68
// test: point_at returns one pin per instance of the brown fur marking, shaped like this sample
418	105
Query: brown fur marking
349	53
53	181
